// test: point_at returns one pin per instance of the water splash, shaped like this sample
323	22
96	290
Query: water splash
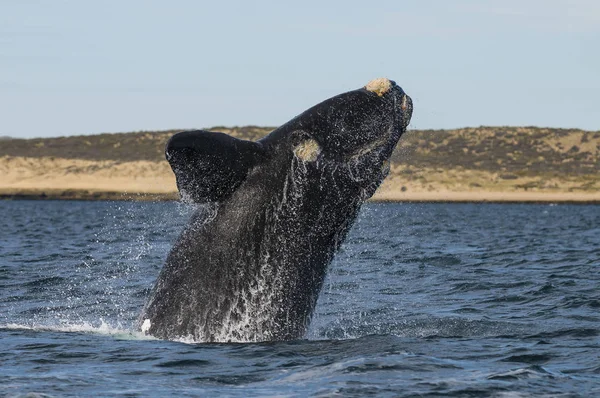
101	328
249	317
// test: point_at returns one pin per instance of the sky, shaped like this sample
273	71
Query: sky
86	67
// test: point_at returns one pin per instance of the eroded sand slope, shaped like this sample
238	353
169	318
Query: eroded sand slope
472	164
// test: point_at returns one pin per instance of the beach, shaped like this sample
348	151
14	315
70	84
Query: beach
61	178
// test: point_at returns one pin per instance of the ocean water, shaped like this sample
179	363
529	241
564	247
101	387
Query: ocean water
459	300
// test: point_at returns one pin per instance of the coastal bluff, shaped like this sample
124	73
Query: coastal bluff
467	165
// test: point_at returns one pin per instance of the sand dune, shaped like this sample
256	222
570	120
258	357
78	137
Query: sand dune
53	177
469	164
82	178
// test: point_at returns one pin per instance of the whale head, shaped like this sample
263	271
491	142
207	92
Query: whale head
355	122
355	131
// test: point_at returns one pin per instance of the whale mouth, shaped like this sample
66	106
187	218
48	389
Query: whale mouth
369	164
403	105
388	90
401	112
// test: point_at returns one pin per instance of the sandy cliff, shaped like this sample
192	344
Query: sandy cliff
477	164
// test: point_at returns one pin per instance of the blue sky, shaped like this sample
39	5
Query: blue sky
82	67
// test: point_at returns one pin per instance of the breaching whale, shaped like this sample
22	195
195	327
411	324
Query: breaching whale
251	261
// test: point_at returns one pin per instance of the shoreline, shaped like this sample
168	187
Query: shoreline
385	196
87	195
77	179
447	196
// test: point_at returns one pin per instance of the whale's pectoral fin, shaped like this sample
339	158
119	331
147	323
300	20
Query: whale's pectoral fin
209	166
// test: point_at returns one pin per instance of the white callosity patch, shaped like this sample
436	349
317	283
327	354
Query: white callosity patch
308	150
379	86
404	103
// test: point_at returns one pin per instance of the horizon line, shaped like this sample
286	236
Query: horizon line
271	128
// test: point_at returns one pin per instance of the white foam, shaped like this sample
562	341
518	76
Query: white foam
146	326
84	327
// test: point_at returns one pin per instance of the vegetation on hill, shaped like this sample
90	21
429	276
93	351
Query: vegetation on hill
122	147
510	152
520	151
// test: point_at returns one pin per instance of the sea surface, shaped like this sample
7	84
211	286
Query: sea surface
453	300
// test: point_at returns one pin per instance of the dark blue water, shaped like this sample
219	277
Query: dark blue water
423	300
